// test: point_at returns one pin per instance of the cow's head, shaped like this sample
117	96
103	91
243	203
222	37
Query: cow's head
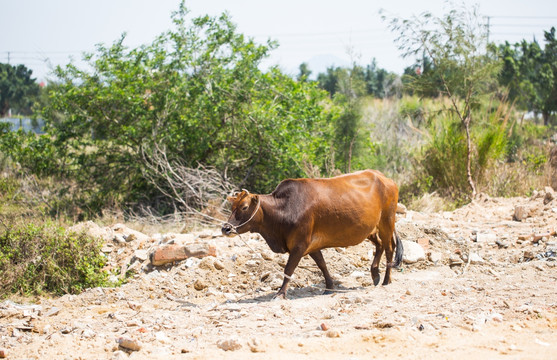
244	208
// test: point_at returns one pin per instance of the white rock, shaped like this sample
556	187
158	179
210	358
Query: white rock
435	257
162	337
88	334
413	252
486	238
141	255
475	259
358	274
119	355
400	209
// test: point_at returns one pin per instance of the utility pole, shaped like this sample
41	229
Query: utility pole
488	19
8	58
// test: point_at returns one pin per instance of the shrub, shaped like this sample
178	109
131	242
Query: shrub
41	257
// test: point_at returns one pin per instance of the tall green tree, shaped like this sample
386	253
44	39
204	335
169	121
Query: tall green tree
195	96
18	89
456	44
530	74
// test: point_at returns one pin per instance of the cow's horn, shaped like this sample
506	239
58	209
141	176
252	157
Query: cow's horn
247	192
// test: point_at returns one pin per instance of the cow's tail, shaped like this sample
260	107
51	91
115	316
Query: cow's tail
399	252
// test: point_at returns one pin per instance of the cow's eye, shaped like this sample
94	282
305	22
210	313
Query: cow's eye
245	207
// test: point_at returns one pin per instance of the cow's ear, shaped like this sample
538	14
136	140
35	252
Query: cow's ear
255	198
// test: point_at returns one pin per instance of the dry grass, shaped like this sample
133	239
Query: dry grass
431	203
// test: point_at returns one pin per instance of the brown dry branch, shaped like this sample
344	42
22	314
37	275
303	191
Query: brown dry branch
198	192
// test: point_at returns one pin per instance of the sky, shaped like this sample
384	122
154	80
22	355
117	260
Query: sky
41	34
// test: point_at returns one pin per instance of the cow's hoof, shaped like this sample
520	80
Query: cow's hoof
375	276
279	296
328	292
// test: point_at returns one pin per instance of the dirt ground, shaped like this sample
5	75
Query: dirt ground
487	289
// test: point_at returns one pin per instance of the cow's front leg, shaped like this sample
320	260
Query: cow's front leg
293	260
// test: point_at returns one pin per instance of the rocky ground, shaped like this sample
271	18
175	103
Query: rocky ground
480	281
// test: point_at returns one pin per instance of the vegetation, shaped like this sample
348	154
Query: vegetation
18	90
461	67
37	255
173	126
530	74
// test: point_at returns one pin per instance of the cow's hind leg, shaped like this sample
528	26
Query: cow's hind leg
386	231
317	256
375	275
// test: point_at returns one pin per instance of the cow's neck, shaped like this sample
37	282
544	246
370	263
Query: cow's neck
270	227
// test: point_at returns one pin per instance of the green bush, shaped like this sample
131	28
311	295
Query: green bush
41	257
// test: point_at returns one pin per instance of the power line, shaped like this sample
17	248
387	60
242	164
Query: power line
522	17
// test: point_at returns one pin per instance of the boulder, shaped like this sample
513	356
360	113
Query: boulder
174	252
413	252
521	212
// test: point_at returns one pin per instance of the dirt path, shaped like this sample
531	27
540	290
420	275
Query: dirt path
500	304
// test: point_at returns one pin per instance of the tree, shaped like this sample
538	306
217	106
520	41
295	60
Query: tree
378	80
457	47
305	72
17	89
196	98
530	74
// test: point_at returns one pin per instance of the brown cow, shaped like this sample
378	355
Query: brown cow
303	216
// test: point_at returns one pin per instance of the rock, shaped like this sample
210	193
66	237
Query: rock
3	353
400	209
358	274
129	343
324	327
199	285
160	336
413	252
119	239
495	317
119	355
174	252
424	243
218	264
231	344
141	255
549	195
266	255
502	244
333	333
106	249
207	263
129	234
435	257
475	259
486	238
53	311
528	255
521	212
88	334
455	260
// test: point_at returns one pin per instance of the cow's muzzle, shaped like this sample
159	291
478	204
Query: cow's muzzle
228	229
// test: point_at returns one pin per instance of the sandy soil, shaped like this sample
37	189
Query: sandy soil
502	304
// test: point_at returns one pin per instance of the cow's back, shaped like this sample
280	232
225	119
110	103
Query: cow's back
341	211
